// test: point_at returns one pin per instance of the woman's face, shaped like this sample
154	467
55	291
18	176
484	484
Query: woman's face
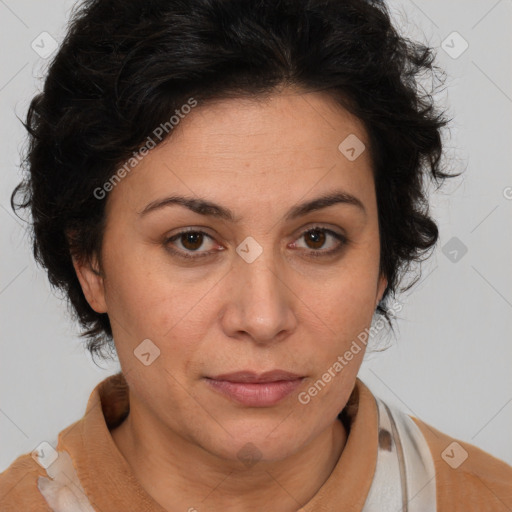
257	292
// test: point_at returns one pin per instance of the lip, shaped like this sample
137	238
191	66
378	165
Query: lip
256	390
250	376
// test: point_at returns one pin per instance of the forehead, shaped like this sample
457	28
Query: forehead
278	147
265	127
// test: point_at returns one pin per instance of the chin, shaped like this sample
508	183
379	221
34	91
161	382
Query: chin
248	447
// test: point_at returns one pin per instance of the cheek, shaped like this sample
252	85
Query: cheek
146	299
136	292
347	302
348	311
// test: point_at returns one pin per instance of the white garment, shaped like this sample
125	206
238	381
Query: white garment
405	477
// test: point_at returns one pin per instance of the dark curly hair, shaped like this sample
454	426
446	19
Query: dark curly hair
124	66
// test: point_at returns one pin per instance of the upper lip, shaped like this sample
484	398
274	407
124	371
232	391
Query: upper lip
249	376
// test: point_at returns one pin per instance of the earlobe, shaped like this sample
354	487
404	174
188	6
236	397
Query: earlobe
383	282
91	281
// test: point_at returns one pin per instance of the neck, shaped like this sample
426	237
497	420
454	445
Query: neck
180	475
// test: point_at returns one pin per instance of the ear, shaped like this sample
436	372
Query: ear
92	283
381	288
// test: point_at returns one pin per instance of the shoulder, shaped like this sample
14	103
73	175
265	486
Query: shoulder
18	486
467	478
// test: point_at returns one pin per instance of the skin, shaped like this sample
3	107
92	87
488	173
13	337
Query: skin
217	314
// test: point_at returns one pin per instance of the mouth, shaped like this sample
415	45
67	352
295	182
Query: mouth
249	376
256	390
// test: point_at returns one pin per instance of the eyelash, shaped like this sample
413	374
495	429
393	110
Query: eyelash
314	253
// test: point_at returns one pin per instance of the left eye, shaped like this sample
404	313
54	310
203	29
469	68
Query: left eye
191	241
318	236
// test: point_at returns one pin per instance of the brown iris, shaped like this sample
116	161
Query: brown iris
317	236
192	241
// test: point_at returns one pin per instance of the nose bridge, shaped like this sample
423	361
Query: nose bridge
261	298
260	266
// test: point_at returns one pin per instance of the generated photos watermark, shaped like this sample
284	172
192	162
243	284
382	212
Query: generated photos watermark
305	397
159	133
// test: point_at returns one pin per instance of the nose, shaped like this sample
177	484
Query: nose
261	302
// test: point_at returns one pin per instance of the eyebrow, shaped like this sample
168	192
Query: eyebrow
210	209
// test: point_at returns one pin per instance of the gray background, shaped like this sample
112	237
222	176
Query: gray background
451	363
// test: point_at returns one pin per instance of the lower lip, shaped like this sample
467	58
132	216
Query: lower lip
262	394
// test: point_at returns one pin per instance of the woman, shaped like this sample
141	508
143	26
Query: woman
229	192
